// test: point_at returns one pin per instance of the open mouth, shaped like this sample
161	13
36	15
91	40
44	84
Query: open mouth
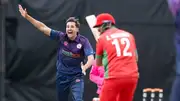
70	32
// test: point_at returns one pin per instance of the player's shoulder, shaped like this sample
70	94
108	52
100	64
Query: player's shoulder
123	31
57	31
82	38
102	37
126	33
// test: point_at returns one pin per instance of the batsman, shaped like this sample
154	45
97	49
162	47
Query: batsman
116	50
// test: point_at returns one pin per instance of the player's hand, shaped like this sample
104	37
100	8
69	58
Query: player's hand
83	68
23	11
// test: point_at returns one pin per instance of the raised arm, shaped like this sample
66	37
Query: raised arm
39	25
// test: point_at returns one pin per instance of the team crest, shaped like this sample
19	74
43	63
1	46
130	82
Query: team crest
79	46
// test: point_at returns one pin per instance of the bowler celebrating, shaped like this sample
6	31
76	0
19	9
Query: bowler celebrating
73	48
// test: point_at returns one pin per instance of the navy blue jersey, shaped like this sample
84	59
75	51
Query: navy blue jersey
71	53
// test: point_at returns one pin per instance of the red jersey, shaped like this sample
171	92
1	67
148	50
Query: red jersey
118	51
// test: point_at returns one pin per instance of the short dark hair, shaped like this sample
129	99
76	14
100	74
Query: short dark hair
73	19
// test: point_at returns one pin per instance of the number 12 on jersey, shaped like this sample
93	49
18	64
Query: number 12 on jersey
124	41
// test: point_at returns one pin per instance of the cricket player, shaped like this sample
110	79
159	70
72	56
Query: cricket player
116	50
174	6
73	48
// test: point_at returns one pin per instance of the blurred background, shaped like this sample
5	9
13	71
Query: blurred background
28	57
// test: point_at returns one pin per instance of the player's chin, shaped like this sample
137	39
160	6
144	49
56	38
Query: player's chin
70	35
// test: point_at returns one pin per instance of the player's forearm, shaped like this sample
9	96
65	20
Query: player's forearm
98	60
89	62
39	25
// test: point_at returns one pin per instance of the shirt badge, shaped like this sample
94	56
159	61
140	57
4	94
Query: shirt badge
65	43
79	46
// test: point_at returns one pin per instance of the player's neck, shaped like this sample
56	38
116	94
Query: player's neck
73	37
113	26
